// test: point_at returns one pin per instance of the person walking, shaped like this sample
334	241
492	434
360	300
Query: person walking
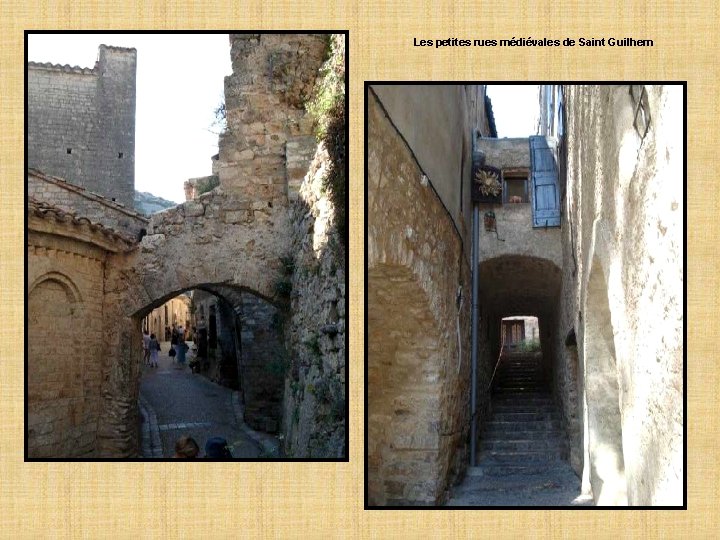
154	348
217	448
181	347
146	347
174	341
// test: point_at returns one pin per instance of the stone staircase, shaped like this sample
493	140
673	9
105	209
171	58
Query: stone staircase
522	450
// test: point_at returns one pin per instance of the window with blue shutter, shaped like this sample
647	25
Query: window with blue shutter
545	191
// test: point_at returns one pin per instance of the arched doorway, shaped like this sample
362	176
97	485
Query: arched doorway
240	348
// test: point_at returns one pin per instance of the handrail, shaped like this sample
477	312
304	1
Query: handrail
502	346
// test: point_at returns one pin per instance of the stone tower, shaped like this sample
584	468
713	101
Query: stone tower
81	122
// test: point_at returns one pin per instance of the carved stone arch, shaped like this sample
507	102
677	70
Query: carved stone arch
405	359
72	290
56	366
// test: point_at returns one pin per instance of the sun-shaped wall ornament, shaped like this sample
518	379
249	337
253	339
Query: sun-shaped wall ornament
488	182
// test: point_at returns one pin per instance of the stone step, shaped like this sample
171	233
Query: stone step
522	457
507	469
523	397
516	379
516	482
526	445
509	426
521	408
537	374
525	416
528	389
501	434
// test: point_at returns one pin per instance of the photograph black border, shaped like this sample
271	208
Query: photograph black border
346	457
366	91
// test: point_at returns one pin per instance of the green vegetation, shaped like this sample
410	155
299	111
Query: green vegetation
328	109
329	89
313	344
529	346
207	184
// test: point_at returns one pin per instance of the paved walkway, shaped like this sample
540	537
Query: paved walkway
175	402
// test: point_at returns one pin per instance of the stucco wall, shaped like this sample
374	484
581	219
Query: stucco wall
625	206
513	152
92	113
516	235
437	121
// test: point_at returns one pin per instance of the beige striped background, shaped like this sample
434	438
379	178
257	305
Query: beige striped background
325	500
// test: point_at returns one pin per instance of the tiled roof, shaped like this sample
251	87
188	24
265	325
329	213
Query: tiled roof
60	67
46	210
87	193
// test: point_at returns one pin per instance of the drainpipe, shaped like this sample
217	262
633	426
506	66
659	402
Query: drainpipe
475	313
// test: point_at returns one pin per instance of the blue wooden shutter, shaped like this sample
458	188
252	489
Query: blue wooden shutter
545	192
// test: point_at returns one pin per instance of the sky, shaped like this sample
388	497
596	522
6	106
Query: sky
180	81
516	109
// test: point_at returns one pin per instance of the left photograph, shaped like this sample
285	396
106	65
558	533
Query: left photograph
186	234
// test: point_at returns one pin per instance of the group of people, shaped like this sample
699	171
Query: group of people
151	346
215	448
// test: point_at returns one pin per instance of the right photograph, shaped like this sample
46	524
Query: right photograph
525	295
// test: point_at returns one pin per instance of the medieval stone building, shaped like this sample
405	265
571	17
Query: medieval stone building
581	227
261	232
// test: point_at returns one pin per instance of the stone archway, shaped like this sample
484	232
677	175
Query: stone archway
220	242
55	378
404	391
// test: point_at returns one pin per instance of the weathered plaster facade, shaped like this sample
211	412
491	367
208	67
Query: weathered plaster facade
623	291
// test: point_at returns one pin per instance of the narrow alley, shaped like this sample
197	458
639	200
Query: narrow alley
523	456
174	402
524	295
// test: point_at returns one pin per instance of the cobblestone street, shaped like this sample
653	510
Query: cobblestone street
175	402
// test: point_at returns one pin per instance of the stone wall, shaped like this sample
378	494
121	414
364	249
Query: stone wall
315	406
418	369
96	208
262	364
623	291
81	123
314	420
264	112
232	241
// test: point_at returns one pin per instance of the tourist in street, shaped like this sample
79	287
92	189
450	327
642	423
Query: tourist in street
217	448
174	340
146	347
154	348
186	448
181	347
